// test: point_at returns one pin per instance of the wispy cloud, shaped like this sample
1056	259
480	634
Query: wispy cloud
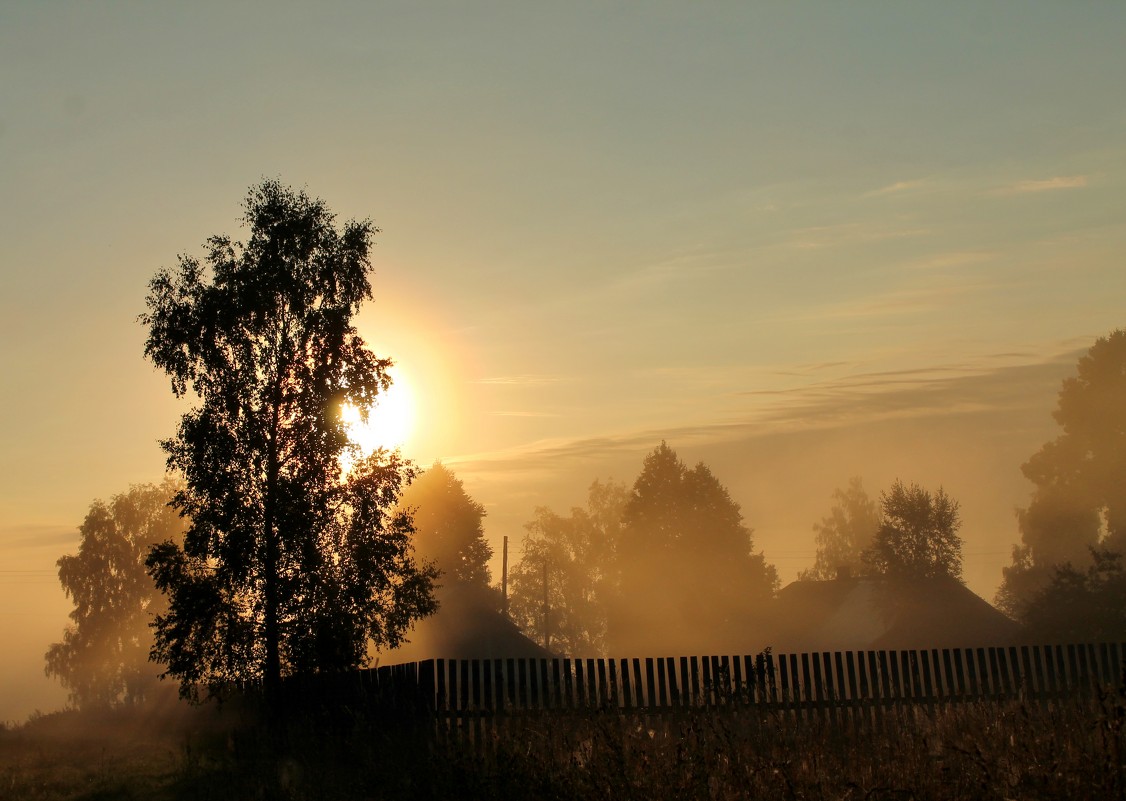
895	188
1043	185
923	393
851	233
526	379
41	535
689	265
906	301
815	368
960	258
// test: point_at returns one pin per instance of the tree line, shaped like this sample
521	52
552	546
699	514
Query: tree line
1066	581
261	556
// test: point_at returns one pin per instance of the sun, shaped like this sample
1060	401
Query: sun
389	419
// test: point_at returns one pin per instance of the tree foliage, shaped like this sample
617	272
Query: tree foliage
576	554
288	564
918	535
686	571
103	659
843	536
1078	502
1081	605
448	526
1055	531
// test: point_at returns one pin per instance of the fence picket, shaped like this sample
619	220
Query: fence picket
997	672
535	701
968	679
928	661
1104	664
627	688
814	680
1007	664
1087	667
796	690
441	700
692	682
1043	657
1063	682
784	668
839	673
739	684
472	699
881	675
853	698
723	671
674	686
1027	686
581	699
650	685
475	674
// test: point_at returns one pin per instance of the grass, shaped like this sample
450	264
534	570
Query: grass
68	755
1074	749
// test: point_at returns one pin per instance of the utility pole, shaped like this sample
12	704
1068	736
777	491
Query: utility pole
546	631
504	576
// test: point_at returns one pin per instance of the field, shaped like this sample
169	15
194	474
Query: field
982	750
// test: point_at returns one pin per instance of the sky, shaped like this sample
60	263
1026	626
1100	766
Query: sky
797	241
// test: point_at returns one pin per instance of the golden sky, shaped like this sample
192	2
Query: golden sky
799	241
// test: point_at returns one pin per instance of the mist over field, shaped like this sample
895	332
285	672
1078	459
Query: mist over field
782	462
391	376
968	433
33	611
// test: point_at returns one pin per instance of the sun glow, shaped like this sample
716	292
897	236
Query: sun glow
389	420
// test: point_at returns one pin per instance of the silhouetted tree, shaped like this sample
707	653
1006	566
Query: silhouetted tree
1079	499
687	572
1055	531
918	535
288	564
447	523
845	534
103	658
578	552
1081	606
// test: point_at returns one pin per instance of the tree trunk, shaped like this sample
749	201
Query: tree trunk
271	674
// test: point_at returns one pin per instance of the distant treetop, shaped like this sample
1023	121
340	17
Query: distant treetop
918	535
448	525
844	535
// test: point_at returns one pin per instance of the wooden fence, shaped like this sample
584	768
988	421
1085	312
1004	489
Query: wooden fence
795	686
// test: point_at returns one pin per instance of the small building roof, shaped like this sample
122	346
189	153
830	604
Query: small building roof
864	613
467	625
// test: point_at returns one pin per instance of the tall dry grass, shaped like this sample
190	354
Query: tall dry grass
985	750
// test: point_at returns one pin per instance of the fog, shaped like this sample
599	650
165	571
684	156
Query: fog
33	612
968	433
